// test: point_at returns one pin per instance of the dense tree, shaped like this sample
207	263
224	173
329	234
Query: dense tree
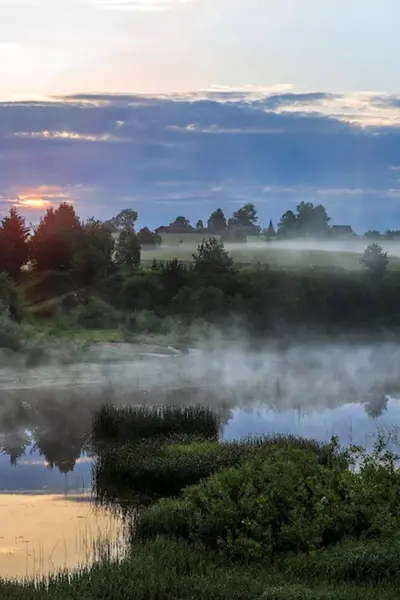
375	259
148	238
125	220
308	221
56	239
14	244
217	222
287	226
212	258
373	234
312	221
94	256
199	225
128	249
180	223
244	217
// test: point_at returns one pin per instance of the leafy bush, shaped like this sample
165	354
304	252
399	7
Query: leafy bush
96	314
163	467
285	501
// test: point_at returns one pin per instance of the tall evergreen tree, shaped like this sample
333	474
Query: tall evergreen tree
14	244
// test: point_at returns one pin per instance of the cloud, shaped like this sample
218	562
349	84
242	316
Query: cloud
138	5
215	147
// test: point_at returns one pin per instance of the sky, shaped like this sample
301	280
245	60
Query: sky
177	106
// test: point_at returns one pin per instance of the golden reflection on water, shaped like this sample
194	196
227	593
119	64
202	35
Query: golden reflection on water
41	534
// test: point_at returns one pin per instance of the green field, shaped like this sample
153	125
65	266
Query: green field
276	254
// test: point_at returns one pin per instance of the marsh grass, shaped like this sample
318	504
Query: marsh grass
119	425
165	569
353	562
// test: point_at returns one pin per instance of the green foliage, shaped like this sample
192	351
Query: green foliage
96	314
286	501
375	259
212	259
142	291
9	298
93	259
128	249
353	562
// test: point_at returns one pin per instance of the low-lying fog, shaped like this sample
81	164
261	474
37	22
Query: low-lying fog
326	373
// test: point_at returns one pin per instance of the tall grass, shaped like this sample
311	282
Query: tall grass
119	425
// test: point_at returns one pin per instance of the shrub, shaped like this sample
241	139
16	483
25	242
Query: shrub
285	501
96	314
164	467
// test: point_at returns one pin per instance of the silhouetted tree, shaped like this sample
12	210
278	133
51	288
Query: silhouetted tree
270	233
180	223
128	249
199	224
56	239
287	226
312	221
217	222
125	220
148	238
14	244
244	217
375	259
372	234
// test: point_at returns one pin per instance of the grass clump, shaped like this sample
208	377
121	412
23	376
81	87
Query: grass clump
137	423
373	561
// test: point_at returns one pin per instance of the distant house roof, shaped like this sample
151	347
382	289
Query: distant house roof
342	230
180	230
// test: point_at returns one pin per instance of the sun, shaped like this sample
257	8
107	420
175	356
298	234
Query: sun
33	202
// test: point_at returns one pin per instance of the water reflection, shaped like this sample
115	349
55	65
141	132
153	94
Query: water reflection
47	516
355	423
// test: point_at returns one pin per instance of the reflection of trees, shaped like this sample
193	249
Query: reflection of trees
15	444
59	430
61	434
376	406
14	437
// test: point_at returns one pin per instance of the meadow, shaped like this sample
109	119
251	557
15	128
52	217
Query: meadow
278	254
280	518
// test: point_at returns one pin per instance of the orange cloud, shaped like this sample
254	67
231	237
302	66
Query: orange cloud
41	197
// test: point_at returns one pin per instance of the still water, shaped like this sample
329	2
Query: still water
48	518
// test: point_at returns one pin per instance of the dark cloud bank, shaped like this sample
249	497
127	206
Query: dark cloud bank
186	155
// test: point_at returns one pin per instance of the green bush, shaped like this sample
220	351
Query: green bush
96	314
164	467
285	501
